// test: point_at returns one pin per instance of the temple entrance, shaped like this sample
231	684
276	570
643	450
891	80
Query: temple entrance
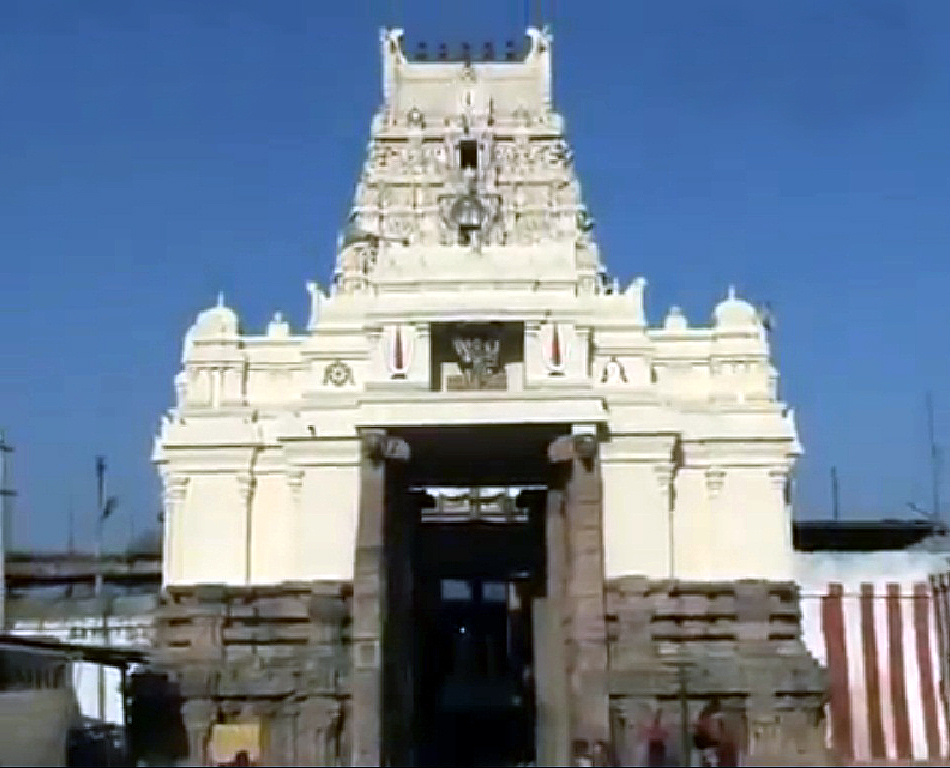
466	584
475	586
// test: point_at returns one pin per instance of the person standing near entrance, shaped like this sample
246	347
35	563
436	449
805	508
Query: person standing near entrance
603	755
706	733
655	737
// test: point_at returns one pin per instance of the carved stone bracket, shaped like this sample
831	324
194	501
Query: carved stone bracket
378	447
570	447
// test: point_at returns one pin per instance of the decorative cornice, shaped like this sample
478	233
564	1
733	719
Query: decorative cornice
738	451
642	448
321	451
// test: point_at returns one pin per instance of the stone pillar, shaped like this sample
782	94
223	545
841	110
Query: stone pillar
586	630
549	615
369	593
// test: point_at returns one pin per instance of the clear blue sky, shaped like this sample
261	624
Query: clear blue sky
154	152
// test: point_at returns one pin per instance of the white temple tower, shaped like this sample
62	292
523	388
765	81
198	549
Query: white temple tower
478	487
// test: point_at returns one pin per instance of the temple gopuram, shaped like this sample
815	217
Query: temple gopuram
480	511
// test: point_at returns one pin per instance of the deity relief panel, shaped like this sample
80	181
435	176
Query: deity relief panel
478	351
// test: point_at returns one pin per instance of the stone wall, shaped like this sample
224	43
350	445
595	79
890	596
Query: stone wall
281	657
677	647
275	656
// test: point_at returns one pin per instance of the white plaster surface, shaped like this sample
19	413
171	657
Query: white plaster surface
691	414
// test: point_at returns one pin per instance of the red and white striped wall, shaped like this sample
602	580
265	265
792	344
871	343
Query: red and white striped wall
879	624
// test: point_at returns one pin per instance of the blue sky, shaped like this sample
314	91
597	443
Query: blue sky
152	153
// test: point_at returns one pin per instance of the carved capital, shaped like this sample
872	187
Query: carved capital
663	472
246	483
295	483
176	487
778	477
715	477
174	490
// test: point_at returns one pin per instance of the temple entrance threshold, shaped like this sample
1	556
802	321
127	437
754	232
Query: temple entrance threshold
469	673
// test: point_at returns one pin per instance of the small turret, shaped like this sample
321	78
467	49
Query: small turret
217	322
734	313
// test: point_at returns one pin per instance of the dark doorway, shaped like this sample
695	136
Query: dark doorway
475	583
468	154
476	565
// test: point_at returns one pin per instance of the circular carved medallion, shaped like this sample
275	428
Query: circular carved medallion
338	374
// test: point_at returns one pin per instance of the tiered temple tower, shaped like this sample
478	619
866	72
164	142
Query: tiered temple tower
479	434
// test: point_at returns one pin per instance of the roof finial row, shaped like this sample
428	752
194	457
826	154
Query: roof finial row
465	53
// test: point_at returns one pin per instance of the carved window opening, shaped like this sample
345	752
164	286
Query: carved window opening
468	154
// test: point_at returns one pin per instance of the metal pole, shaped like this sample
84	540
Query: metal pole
835	500
100	509
5	495
934	461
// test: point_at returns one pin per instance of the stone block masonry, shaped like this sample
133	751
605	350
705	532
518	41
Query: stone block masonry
276	656
281	657
677	647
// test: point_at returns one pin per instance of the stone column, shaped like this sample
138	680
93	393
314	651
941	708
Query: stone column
550	652
369	593
584	587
